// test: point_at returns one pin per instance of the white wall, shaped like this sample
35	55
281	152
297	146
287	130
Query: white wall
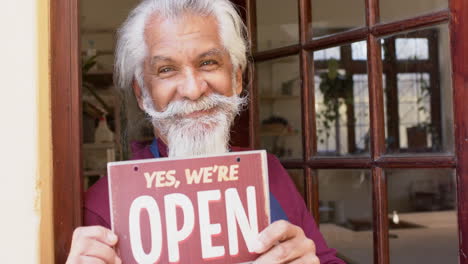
350	190
401	182
19	227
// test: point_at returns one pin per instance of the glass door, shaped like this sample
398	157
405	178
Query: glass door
356	99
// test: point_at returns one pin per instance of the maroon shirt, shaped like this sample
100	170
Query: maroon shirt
96	208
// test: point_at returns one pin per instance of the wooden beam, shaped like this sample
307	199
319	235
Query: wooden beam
377	132
345	37
420	162
277	53
66	123
459	45
380	216
411	23
254	123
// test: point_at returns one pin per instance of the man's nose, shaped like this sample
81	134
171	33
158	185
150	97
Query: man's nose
193	86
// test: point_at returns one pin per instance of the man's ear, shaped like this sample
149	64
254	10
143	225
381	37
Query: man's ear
238	87
138	94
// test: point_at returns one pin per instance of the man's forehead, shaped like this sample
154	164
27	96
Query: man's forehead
192	36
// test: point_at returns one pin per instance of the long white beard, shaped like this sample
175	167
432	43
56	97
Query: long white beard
207	134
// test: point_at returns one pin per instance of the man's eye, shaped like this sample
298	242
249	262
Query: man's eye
209	62
165	69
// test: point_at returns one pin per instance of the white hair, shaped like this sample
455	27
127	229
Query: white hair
131	49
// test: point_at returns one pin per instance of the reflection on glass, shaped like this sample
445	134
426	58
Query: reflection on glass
422	216
359	50
280	107
418	92
297	177
334	16
345	207
391	10
342	100
277	24
328	54
412	48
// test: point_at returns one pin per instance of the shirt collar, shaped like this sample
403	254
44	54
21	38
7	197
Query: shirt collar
154	148
158	148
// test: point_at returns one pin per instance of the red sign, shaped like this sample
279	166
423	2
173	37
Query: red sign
191	210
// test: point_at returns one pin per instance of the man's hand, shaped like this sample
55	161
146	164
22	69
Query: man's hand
93	245
283	242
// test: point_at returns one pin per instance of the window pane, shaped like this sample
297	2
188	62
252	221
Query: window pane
418	92
297	177
327	54
333	16
98	24
346	213
280	107
422	216
99	43
391	10
359	50
412	48
342	102
277	24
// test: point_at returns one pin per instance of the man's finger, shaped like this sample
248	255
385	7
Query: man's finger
276	232
306	259
96	249
99	233
84	259
287	251
91	260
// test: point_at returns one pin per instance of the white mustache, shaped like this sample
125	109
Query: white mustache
185	107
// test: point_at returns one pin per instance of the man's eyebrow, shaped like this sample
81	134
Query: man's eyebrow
211	52
156	59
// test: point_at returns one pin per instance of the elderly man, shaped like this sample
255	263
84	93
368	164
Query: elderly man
184	60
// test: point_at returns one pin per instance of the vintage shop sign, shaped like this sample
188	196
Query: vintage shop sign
194	210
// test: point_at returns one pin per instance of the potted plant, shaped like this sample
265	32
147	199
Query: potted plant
337	90
417	134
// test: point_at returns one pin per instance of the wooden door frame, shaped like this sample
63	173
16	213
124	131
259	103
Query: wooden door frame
459	52
456	17
66	123
66	119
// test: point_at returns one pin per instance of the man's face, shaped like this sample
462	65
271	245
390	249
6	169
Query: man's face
192	92
186	61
